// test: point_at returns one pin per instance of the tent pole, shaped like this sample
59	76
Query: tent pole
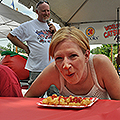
118	33
111	53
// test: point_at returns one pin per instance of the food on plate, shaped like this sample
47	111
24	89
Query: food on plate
70	101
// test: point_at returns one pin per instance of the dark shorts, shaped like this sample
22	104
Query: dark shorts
32	77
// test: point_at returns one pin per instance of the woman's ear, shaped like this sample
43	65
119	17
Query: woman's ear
87	54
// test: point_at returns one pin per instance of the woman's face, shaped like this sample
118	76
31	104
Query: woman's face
70	61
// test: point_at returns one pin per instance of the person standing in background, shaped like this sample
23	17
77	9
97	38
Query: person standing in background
118	60
118	57
37	33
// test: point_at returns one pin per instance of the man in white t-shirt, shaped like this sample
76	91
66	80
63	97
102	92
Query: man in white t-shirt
37	33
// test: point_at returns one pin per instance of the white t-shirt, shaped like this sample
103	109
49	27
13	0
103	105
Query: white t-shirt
38	37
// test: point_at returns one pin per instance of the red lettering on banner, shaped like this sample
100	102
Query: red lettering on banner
106	28
105	34
110	27
111	30
110	33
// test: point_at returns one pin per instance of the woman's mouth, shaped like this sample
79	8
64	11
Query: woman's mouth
70	75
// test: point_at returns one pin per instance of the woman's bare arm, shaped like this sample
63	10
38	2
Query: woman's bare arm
107	76
49	76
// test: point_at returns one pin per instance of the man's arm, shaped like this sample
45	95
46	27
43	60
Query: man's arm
18	43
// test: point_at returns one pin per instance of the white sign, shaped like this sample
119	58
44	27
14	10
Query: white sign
101	33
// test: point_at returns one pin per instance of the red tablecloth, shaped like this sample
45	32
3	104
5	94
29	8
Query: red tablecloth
26	109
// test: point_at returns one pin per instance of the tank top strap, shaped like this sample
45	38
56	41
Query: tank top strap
94	76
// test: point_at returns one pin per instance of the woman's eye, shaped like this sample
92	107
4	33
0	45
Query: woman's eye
73	55
58	58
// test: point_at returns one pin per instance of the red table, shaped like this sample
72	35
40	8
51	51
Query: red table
12	108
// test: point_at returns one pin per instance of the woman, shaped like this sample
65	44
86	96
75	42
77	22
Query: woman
75	71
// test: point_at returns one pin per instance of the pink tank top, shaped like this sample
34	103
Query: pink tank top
96	91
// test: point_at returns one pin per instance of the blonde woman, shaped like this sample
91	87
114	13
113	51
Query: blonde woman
75	71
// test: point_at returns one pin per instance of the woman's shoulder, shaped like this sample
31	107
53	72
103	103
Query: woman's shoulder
100	59
102	64
52	73
51	70
51	67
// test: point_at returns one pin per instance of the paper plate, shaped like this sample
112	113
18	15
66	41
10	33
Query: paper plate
93	99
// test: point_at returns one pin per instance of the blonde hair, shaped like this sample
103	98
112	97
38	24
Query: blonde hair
71	33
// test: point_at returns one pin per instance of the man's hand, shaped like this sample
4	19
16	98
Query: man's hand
27	49
52	28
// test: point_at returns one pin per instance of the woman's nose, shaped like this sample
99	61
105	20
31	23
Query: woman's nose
66	66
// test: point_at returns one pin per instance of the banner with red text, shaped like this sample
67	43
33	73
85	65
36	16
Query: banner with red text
101	33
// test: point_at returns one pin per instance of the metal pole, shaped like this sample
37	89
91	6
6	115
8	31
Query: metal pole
111	53
118	33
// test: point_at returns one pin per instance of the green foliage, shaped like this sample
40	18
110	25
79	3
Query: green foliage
106	50
8	48
3	49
